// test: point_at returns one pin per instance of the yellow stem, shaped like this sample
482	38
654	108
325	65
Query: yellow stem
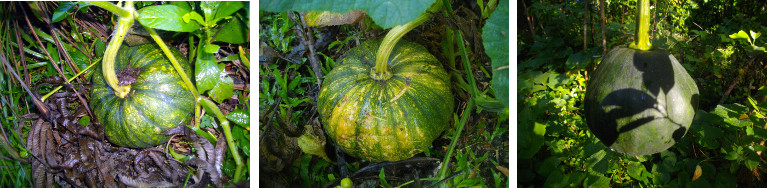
381	71
108	65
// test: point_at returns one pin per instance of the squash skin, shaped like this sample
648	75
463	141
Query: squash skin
158	100
386	120
640	102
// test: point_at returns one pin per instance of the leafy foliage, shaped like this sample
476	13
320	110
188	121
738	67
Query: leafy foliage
386	13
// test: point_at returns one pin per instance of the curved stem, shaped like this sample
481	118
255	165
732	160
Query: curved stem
381	71
108	65
122	12
211	107
642	27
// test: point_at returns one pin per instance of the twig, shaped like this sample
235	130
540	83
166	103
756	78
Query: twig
308	41
529	21
585	24
602	14
71	64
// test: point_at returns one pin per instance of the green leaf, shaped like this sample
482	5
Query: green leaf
183	5
188	17
751	164
530	137
239	117
166	17
207	121
84	121
61	12
635	170
216	10
212	76
230	58
575	179
555	179
234	32
740	35
578	60
224	87
754	35
469	182
548	165
382	177
386	13
596	181
598	162
211	48
495	38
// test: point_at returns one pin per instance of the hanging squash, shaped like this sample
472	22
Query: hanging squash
640	100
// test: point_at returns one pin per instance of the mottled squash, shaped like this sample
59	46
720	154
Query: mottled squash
386	119
157	101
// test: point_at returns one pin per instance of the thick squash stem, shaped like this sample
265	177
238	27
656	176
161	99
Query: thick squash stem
381	71
642	27
108	64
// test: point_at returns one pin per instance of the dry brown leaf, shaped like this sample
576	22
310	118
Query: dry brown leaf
698	172
327	18
503	170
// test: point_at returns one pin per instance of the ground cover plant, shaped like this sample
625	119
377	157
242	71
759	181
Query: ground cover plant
140	94
560	44
347	92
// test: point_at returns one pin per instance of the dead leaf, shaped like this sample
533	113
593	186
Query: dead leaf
698	172
503	170
327	18
313	142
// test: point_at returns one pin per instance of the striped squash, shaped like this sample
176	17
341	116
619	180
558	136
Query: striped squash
386	120
157	101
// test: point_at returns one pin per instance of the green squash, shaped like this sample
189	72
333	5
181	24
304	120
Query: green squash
640	102
386	120
157	101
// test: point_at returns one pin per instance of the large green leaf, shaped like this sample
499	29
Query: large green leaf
215	10
495	38
212	76
531	134
386	13
234	32
166	17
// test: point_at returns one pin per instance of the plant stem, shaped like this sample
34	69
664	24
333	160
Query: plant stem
70	80
209	105
120	11
642	27
467	64
381	71
473	90
454	140
108	65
